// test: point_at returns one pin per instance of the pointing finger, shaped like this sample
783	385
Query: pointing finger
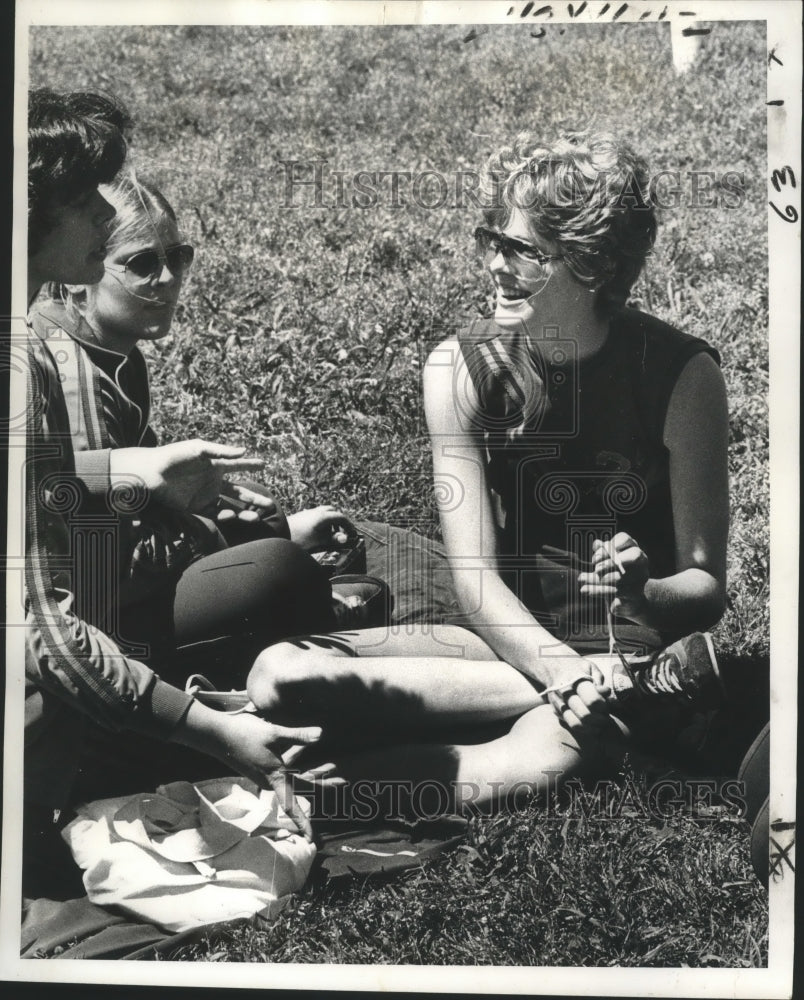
292	753
212	449
228	464
302	734
280	783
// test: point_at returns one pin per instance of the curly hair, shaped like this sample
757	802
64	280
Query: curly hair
586	192
75	142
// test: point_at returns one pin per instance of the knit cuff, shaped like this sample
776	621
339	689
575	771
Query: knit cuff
161	710
92	468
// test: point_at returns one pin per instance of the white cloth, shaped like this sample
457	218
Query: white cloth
191	855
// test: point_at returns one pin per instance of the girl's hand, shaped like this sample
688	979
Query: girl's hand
185	475
258	505
581	704
320	527
620	573
246	743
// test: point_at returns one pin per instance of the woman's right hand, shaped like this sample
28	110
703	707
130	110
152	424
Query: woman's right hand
185	475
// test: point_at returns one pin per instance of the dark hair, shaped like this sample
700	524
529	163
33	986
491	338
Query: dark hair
587	192
75	142
139	206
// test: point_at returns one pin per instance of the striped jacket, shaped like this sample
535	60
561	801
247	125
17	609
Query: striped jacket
73	669
107	400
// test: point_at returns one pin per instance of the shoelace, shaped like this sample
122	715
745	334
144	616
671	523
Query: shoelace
659	677
198	687
614	646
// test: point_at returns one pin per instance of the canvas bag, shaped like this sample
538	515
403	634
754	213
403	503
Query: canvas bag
191	854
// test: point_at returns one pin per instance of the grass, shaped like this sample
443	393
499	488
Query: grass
302	334
539	887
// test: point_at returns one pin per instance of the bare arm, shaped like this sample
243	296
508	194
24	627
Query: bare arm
693	598
467	523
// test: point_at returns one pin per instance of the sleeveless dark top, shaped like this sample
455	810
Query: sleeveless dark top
574	452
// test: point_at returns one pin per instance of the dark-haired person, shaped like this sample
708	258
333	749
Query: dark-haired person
73	670
581	450
205	594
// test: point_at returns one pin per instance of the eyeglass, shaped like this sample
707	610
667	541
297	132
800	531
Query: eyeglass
147	265
490	240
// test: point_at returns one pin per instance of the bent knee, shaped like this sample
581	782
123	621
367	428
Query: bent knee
270	674
287	678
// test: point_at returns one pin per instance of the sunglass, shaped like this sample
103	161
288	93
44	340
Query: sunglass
147	265
490	240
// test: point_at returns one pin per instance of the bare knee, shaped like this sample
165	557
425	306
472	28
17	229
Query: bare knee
290	681
275	668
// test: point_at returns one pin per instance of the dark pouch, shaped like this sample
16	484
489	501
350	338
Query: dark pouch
271	522
351	558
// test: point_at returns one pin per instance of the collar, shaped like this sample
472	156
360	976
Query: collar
73	323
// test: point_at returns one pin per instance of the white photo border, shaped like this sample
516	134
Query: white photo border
783	19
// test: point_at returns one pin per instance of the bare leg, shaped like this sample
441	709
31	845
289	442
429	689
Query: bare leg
535	756
384	679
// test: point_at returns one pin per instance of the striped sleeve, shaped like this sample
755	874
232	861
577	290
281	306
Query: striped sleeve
65	655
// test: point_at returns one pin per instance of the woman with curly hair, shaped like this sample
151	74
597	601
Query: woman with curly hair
579	451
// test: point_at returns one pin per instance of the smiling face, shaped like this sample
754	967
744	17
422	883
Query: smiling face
121	313
73	250
531	294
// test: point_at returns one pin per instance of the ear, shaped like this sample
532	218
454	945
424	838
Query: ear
78	296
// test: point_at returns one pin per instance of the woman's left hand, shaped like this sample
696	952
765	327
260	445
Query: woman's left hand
320	527
620	572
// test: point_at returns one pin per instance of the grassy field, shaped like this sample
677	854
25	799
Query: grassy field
302	335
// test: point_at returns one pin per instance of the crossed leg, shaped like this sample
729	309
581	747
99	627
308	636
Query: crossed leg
431	707
411	678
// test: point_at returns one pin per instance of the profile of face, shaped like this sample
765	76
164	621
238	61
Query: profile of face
75	247
533	293
137	295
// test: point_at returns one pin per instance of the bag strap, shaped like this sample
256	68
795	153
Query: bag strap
230	702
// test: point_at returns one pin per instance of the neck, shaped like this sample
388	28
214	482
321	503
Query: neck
120	345
590	335
581	325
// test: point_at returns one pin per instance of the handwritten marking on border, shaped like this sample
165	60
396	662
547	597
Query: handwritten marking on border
780	853
779	179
